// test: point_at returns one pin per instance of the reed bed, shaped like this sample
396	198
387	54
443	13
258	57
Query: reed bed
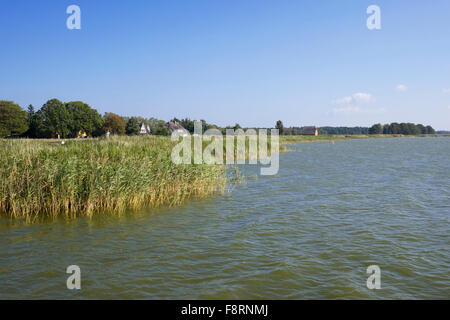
82	177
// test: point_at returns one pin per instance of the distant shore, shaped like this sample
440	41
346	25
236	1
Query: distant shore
296	139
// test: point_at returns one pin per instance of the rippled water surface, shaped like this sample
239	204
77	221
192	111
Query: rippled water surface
309	232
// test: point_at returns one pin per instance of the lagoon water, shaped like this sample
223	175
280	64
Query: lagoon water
310	232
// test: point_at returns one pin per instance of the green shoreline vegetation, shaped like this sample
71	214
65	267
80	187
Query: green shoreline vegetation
42	177
298	139
47	179
76	118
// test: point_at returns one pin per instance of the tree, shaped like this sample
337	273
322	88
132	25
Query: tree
63	119
114	124
158	127
422	128
394	128
55	120
280	127
430	130
34	123
84	118
13	119
404	128
376	129
30	114
204	125
188	124
412	129
160	131
331	130
132	127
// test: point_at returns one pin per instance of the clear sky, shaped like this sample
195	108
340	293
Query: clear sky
226	61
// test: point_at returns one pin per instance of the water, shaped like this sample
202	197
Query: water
309	232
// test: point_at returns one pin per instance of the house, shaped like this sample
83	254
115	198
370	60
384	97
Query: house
145	129
309	131
175	127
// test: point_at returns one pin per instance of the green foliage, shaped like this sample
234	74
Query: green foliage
63	119
67	119
84	118
376	129
407	129
83	177
114	124
34	123
160	131
132	127
393	128
55	120
188	124
342	130
13	119
294	131
280	127
430	130
158	127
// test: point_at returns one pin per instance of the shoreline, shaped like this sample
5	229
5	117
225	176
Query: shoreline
301	139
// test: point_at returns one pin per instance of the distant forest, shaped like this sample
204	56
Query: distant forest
294	131
393	128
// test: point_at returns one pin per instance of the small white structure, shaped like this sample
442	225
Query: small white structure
145	129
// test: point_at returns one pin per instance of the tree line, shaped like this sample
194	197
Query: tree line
67	119
57	119
401	128
393	128
294	131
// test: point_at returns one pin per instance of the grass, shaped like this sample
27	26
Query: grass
43	178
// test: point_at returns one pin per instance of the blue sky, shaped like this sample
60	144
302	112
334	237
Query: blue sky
246	61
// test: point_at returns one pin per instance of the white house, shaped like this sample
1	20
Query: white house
145	129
